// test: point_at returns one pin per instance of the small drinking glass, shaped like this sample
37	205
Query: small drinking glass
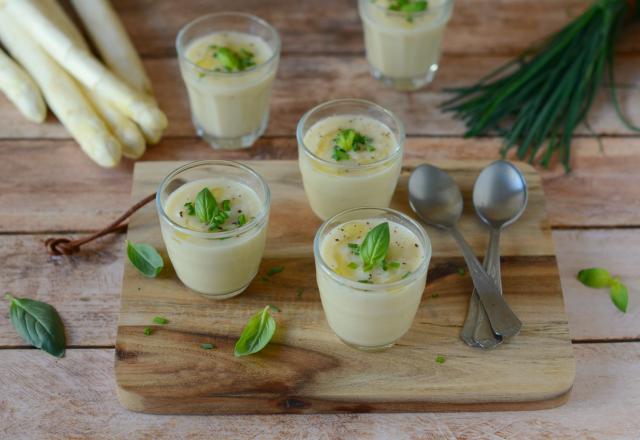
218	264
370	317
230	109
403	48
331	186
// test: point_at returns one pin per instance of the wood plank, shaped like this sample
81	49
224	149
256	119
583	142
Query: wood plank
306	368
333	26
305	81
39	393
54	186
85	288
591	312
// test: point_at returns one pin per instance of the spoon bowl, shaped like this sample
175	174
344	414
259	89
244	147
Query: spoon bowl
435	196
500	194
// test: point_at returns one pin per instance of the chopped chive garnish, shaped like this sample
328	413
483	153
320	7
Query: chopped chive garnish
339	154
226	205
242	219
406	275
352	265
207	346
191	210
148	331
274	270
160	320
394	264
440	359
353	245
365	281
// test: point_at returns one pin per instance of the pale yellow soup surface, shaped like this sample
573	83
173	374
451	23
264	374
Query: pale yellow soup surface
404	249
320	138
243	200
201	50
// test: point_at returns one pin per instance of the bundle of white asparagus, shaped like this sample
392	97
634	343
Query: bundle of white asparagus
108	108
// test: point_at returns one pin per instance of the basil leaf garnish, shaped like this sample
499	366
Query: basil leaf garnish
595	277
619	295
206	206
256	334
375	245
145	258
38	323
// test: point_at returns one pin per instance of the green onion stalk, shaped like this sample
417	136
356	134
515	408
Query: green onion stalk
536	101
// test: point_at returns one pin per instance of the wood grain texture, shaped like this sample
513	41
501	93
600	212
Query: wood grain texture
601	191
306	368
85	288
333	26
306	81
47	398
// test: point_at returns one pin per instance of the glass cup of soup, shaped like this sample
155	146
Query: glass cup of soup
228	62
213	218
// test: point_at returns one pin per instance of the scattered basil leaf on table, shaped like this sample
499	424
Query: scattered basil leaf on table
38	323
256	334
595	277
145	258
440	359
598	278
148	331
619	295
375	245
207	346
160	320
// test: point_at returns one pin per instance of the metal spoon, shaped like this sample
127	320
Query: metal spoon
436	198
500	198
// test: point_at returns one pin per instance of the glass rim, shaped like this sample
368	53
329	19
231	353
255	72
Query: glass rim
180	46
374	287
430	8
255	223
346	166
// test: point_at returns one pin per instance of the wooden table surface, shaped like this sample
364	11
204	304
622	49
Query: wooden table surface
50	187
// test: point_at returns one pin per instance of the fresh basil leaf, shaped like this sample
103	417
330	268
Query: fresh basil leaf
38	323
595	277
207	346
256	334
418	6
619	295
145	258
440	359
375	245
206	206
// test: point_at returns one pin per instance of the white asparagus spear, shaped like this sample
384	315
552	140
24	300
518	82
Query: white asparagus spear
62	94
113	43
85	67
18	86
127	132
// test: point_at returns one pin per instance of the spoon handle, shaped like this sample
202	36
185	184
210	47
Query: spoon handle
483	333
503	321
474	330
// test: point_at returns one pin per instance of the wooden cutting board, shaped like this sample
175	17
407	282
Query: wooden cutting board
306	369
